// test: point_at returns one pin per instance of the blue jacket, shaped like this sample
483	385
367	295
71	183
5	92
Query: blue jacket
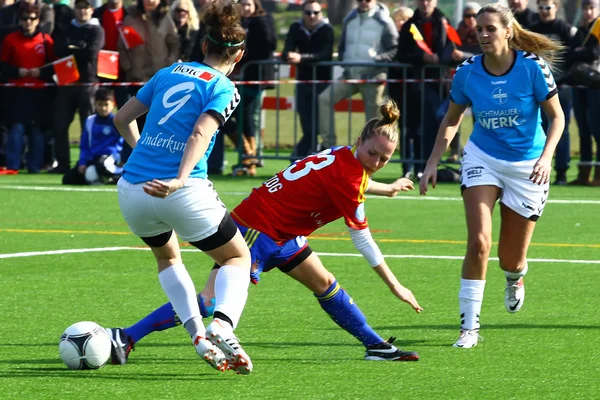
99	137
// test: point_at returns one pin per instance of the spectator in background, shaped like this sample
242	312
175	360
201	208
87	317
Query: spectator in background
429	21
400	15
84	38
111	15
261	42
63	15
557	29
470	46
368	36
309	40
25	57
586	101
395	89
522	13
9	18
6	3
100	145
161	44
185	20
160	48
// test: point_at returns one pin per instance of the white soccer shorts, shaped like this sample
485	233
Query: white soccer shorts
194	211
518	192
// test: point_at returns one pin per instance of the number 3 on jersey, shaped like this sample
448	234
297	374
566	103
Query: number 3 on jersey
304	166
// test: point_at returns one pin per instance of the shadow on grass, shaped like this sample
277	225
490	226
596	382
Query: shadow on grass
62	372
489	326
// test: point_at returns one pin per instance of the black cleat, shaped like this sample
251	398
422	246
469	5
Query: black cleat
122	344
385	351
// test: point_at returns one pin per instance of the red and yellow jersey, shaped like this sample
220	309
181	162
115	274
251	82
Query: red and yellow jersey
307	195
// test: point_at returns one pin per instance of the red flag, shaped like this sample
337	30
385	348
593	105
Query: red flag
130	37
65	70
452	34
419	39
108	64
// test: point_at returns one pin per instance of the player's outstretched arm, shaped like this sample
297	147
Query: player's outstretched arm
446	133
390	189
401	292
364	243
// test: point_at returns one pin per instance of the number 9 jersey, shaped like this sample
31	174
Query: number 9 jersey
176	97
307	195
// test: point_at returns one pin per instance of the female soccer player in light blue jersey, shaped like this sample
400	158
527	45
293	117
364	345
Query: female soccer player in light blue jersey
165	186
508	156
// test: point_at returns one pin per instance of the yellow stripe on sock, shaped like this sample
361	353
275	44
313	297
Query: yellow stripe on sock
332	293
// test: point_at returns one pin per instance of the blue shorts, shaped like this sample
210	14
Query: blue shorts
267	254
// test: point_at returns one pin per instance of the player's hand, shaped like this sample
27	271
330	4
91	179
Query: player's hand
158	188
541	171
401	185
430	173
81	169
407	296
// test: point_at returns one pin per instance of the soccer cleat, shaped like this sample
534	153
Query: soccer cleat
385	351
221	335
468	338
210	353
122	344
514	295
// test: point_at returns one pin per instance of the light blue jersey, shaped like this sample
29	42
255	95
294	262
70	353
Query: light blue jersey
508	123
176	96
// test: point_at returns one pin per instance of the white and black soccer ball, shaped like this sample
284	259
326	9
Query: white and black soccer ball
85	345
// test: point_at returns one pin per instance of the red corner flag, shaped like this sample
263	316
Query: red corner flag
108	64
65	70
130	37
419	39
452	34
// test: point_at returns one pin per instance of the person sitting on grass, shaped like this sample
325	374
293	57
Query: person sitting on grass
100	145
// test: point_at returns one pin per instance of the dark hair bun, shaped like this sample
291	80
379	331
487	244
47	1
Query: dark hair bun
223	15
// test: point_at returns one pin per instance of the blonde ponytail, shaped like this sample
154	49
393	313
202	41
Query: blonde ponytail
384	126
525	40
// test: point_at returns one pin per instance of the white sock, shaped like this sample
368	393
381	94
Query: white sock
231	291
470	298
179	287
515	276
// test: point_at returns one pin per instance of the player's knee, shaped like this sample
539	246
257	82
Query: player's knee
322	284
510	261
479	245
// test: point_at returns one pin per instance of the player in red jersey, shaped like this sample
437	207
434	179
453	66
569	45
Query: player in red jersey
276	217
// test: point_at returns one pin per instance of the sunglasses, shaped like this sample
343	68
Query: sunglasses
181	10
546	8
361	1
469	15
310	12
29	18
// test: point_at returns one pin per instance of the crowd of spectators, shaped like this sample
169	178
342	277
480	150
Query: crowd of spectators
33	34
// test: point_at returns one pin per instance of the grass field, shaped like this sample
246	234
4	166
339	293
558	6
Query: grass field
548	350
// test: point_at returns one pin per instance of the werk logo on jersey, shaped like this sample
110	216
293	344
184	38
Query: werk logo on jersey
197	73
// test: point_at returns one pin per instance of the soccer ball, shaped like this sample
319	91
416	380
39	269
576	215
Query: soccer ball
85	345
91	175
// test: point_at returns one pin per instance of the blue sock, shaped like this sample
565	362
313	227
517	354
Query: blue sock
341	308
163	318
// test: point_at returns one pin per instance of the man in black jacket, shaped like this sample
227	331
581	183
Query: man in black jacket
523	15
309	40
421	125
559	30
84	38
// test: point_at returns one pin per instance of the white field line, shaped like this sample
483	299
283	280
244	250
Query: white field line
419	256
401	197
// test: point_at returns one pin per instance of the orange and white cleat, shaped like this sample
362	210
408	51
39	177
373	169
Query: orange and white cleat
211	354
221	335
